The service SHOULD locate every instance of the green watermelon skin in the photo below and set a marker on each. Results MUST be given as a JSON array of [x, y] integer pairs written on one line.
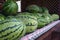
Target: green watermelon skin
[[55, 17], [11, 29], [46, 15], [41, 20], [2, 17], [30, 22], [10, 8], [33, 9], [9, 17]]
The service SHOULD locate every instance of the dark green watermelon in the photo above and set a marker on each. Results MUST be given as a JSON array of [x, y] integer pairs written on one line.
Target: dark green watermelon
[[33, 9], [10, 8]]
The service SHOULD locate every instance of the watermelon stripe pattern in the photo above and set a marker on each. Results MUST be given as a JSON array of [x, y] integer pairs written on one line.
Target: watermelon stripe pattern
[[30, 22], [10, 8], [11, 30], [8, 29], [26, 16]]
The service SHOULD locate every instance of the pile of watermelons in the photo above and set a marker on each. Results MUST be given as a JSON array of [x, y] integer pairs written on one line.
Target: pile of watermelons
[[14, 25]]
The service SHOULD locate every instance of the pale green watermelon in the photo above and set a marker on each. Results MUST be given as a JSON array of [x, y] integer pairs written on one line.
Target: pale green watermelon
[[2, 17], [55, 16], [11, 29], [41, 20], [30, 22]]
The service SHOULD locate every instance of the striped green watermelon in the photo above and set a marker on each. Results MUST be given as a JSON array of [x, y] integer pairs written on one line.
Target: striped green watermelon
[[46, 14], [33, 8], [55, 17], [30, 22], [41, 20], [11, 16], [11, 29], [2, 17], [10, 8]]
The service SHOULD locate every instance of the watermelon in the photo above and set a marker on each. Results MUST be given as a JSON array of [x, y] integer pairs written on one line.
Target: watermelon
[[55, 17], [10, 8], [33, 9], [10, 17], [41, 20], [45, 10], [46, 15], [2, 17], [30, 22], [11, 29]]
